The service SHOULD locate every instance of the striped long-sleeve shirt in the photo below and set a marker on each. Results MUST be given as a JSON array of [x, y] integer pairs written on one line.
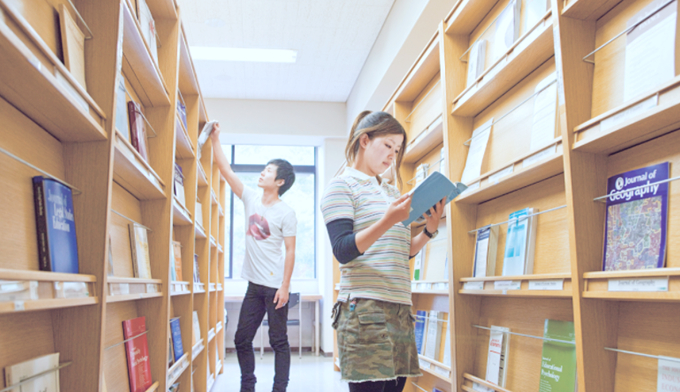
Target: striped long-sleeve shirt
[[382, 271]]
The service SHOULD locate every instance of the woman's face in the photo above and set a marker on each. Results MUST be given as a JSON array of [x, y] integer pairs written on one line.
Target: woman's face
[[381, 151]]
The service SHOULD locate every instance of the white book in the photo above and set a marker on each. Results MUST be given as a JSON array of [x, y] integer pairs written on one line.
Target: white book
[[139, 243], [435, 256], [473, 162], [507, 29], [418, 267], [519, 243], [485, 252], [496, 360], [148, 27], [650, 49], [196, 328], [199, 213], [476, 61], [447, 346], [533, 12], [18, 290], [545, 113], [49, 382], [434, 335], [205, 134]]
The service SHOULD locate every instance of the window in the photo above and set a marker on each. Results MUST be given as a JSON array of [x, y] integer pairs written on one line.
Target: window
[[248, 161]]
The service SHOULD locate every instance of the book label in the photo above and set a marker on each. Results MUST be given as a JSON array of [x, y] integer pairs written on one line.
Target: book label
[[19, 306], [539, 156], [618, 118], [507, 285], [473, 286], [668, 378], [496, 177], [550, 284], [151, 288], [651, 284]]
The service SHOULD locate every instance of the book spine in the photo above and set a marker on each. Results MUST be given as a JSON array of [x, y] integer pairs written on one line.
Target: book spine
[[132, 116], [45, 260]]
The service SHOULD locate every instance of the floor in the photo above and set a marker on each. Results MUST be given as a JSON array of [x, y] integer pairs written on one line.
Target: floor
[[311, 373]]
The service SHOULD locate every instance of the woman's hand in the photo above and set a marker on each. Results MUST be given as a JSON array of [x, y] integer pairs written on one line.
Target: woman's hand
[[399, 210], [215, 133], [435, 216]]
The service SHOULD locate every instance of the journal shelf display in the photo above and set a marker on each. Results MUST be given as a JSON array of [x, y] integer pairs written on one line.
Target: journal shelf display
[[101, 111], [560, 118]]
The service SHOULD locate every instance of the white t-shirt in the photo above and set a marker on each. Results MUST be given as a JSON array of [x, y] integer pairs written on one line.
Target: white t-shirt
[[265, 229]]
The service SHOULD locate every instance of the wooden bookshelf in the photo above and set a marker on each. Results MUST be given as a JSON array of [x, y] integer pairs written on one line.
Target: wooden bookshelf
[[52, 124]]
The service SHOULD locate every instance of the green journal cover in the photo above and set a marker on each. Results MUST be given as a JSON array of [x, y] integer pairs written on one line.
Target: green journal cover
[[558, 362]]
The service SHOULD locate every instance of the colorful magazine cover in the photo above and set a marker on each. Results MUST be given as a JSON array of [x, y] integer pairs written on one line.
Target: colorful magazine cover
[[635, 231]]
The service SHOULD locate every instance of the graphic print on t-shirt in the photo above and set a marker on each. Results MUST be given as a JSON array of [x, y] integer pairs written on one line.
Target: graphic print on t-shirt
[[258, 227]]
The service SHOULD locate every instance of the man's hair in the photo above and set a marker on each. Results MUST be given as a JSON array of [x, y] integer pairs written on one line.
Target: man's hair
[[284, 171]]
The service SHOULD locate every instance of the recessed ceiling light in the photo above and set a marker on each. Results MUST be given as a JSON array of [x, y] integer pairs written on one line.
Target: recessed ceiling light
[[242, 54]]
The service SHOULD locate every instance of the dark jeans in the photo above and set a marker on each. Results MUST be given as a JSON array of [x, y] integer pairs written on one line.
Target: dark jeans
[[378, 386], [258, 300]]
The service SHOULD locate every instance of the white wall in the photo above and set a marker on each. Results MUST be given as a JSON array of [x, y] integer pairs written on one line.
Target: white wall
[[403, 37]]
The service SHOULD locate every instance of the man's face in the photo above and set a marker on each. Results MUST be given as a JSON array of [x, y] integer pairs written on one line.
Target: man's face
[[268, 179]]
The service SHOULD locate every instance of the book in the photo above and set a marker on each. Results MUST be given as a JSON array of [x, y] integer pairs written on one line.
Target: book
[[519, 243], [173, 272], [18, 290], [446, 358], [122, 122], [49, 382], [558, 359], [141, 262], [178, 350], [496, 360], [636, 223], [197, 275], [476, 61], [148, 26], [435, 256], [426, 195], [486, 246], [56, 226], [171, 355], [421, 173], [544, 118], [533, 12], [507, 29], [650, 48], [73, 45], [421, 318], [418, 268], [668, 374], [434, 335], [442, 162], [444, 336], [138, 129], [177, 253], [182, 109], [475, 156], [137, 352], [204, 135], [179, 184], [109, 271], [199, 212], [196, 330], [174, 387]]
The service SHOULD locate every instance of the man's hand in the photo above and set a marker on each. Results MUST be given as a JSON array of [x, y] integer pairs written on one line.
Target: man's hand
[[215, 133], [281, 297]]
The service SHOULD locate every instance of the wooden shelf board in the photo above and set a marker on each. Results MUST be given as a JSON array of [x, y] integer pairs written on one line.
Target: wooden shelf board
[[421, 73], [213, 197], [466, 15], [188, 83], [519, 293], [514, 66], [200, 231], [588, 9], [35, 91], [639, 128], [213, 243], [185, 149], [44, 276], [431, 292], [153, 387], [669, 296], [485, 383], [202, 179], [162, 9], [120, 279], [520, 178], [138, 65], [181, 217], [131, 297], [518, 277], [632, 273], [211, 334], [434, 373], [183, 361], [425, 142], [46, 304], [197, 349], [133, 173]]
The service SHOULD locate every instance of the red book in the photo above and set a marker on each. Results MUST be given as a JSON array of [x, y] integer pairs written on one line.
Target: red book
[[137, 350], [138, 129]]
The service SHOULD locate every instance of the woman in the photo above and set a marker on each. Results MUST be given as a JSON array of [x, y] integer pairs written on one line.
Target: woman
[[363, 215]]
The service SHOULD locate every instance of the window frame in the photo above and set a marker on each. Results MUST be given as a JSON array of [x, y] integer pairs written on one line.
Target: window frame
[[249, 168]]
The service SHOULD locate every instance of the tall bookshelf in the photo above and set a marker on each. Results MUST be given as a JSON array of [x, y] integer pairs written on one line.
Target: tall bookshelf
[[56, 127], [597, 135]]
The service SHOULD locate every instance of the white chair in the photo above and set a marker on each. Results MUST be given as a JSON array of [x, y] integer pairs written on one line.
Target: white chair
[[293, 300]]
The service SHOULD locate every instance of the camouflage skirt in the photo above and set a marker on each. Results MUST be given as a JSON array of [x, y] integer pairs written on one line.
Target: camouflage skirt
[[376, 340]]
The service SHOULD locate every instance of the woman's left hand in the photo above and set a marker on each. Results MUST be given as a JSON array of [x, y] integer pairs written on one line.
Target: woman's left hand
[[435, 216]]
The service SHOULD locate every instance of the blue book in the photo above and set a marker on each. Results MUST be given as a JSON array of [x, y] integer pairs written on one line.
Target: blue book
[[420, 329], [428, 193], [637, 212], [176, 338], [56, 226]]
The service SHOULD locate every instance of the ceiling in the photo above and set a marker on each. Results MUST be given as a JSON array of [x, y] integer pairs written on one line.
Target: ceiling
[[332, 37]]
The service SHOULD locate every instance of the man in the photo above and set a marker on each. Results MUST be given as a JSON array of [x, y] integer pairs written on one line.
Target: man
[[270, 222]]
